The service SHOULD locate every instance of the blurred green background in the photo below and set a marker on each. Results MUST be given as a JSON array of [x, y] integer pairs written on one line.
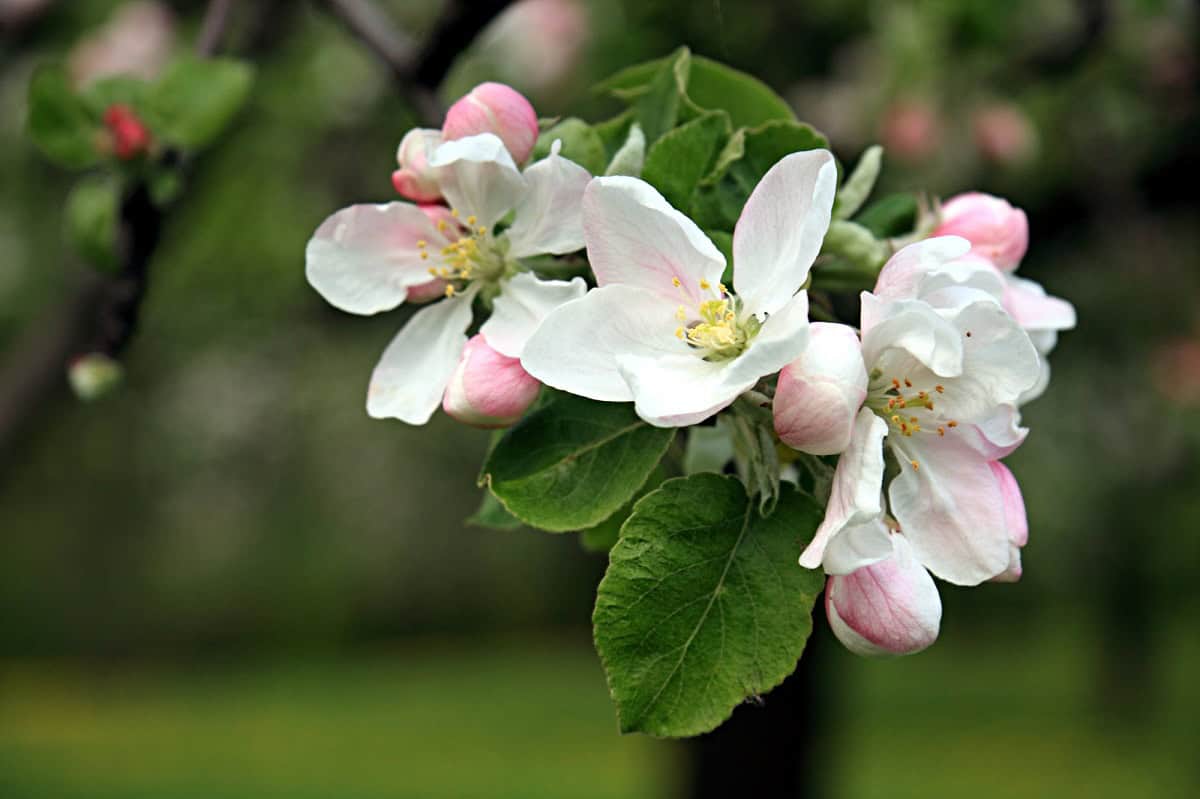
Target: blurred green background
[[227, 581]]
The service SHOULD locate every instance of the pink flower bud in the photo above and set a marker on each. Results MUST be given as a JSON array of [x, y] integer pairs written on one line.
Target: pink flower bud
[[888, 608], [488, 389], [819, 393], [129, 136], [1003, 133], [996, 230], [494, 108], [910, 130], [1014, 519], [415, 179]]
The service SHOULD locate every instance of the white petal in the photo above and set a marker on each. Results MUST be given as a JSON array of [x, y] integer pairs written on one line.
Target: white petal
[[951, 508], [577, 345], [478, 178], [680, 389], [855, 498], [999, 364], [781, 229], [902, 275], [857, 545], [819, 393], [635, 237], [362, 259], [524, 302], [890, 608], [909, 330], [549, 218], [411, 376]]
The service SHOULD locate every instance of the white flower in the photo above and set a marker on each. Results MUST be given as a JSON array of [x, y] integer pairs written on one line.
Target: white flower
[[370, 258], [661, 330]]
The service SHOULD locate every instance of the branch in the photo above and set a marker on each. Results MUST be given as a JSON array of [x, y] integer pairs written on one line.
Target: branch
[[418, 70]]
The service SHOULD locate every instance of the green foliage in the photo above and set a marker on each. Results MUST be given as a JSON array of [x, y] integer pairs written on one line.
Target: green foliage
[[91, 220], [678, 160], [195, 100], [580, 143], [858, 185], [703, 603], [630, 158], [573, 462], [493, 515], [890, 216], [60, 122], [856, 244], [604, 535]]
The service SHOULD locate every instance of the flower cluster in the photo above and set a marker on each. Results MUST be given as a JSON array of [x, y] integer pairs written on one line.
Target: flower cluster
[[919, 400]]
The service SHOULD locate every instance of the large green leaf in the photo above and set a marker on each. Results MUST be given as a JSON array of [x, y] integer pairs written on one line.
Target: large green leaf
[[573, 463], [580, 143], [677, 161], [604, 535], [703, 604], [60, 122], [721, 196], [195, 100]]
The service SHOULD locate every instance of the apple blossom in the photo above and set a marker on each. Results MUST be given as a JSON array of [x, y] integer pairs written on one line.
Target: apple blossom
[[1015, 520], [488, 389], [997, 231], [494, 108], [370, 258], [890, 607], [661, 330], [415, 179], [819, 393]]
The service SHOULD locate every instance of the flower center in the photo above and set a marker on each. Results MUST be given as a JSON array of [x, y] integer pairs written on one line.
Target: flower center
[[475, 255], [715, 329], [908, 410]]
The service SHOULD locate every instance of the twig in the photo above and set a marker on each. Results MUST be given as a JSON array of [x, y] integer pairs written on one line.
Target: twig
[[212, 28]]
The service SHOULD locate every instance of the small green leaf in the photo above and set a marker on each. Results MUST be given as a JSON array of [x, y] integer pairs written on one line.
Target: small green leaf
[[676, 162], [195, 100], [604, 535], [657, 109], [856, 244], [493, 515], [721, 197], [890, 216], [631, 157], [703, 603], [91, 215], [120, 89], [748, 101], [613, 132], [857, 188], [60, 123], [572, 463], [580, 143]]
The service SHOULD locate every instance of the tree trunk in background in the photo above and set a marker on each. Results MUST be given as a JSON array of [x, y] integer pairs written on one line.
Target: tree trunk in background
[[772, 749]]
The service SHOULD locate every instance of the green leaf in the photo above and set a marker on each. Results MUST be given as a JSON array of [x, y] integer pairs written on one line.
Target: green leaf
[[91, 215], [748, 101], [604, 535], [195, 100], [856, 244], [657, 109], [682, 157], [857, 188], [614, 132], [572, 463], [631, 157], [60, 123], [703, 603], [493, 515], [120, 89], [890, 216], [720, 198], [580, 143]]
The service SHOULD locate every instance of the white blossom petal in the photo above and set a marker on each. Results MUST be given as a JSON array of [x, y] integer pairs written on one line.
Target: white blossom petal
[[549, 218], [781, 229], [897, 334], [478, 178], [524, 302], [411, 376]]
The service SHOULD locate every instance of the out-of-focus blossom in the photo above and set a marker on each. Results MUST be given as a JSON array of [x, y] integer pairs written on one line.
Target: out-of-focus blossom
[[497, 109], [911, 130], [488, 389], [14, 13], [136, 40], [1004, 133], [537, 43], [1176, 371], [128, 135]]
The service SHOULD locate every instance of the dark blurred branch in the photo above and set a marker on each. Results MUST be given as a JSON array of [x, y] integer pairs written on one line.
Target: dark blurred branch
[[212, 29], [418, 70]]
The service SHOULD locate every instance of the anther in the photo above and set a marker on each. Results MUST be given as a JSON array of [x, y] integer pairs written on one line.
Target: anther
[[952, 423], [907, 382], [449, 291], [454, 213], [939, 389], [705, 285], [675, 282], [941, 431], [679, 332], [471, 220], [915, 465]]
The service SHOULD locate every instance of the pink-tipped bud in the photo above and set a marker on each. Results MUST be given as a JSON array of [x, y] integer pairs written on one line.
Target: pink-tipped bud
[[910, 130], [819, 393], [494, 108], [996, 230], [888, 608], [415, 179], [1014, 519], [488, 389], [128, 135], [1004, 134]]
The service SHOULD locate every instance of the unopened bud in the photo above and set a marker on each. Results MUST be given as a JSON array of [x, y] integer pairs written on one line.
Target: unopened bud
[[888, 608], [819, 393], [1015, 521], [488, 389], [94, 375], [997, 231], [1004, 134], [415, 179], [494, 108], [129, 136]]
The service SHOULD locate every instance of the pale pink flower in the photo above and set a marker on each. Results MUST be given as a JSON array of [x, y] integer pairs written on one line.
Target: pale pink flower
[[819, 393], [997, 231], [137, 40]]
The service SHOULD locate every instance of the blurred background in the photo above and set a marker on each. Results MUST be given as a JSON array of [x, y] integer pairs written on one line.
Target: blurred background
[[227, 581]]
